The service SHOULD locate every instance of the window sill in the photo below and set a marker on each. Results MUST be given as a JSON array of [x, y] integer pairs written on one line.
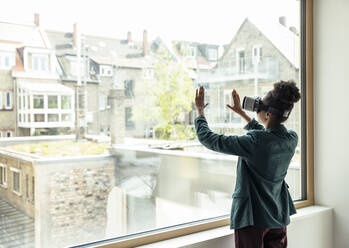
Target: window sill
[[225, 231]]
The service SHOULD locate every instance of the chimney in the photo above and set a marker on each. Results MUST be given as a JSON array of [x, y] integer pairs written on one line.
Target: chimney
[[129, 37], [75, 34], [145, 43], [37, 19], [282, 20]]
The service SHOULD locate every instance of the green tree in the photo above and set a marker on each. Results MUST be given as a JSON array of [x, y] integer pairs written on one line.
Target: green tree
[[163, 99]]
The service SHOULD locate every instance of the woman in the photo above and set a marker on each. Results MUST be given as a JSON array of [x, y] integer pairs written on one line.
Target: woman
[[262, 204]]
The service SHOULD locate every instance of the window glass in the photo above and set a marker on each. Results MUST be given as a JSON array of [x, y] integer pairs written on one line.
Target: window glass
[[123, 155], [39, 117], [66, 117], [66, 102], [52, 117], [52, 102], [3, 175], [16, 182], [38, 101]]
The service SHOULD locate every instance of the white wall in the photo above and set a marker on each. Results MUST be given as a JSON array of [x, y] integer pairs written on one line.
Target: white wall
[[310, 231], [331, 54], [311, 227]]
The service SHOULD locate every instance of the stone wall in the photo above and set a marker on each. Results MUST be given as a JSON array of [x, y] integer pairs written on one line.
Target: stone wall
[[72, 200]]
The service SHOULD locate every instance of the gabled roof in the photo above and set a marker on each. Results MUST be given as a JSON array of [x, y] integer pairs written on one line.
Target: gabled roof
[[23, 35], [280, 36], [103, 50]]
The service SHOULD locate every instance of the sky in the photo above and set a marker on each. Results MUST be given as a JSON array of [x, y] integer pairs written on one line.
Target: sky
[[207, 21]]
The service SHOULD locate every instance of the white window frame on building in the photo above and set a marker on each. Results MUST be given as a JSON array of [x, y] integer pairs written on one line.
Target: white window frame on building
[[73, 66], [106, 70], [43, 116], [7, 59], [256, 54], [14, 172], [8, 100], [212, 53], [238, 61], [42, 62], [3, 175]]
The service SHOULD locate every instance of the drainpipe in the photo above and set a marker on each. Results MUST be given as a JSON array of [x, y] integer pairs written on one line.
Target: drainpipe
[[117, 117]]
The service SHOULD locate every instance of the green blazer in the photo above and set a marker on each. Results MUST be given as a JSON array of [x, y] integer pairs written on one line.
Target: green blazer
[[261, 197]]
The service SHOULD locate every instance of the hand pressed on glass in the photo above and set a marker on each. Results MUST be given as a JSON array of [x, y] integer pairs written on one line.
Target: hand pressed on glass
[[236, 103], [200, 100], [237, 106]]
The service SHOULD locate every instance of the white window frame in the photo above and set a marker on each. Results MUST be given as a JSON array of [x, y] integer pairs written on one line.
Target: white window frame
[[11, 60], [10, 106], [209, 54], [238, 50], [256, 58], [4, 176], [40, 57], [107, 70], [15, 170]]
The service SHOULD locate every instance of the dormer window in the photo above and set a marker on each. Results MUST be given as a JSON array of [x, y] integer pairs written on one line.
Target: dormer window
[[106, 70], [212, 54], [40, 62]]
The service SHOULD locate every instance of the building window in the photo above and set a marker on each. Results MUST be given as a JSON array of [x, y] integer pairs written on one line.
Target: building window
[[212, 54], [128, 118], [256, 54], [16, 180], [52, 102], [106, 70], [39, 117], [9, 134], [38, 101], [66, 102], [241, 61], [3, 175], [40, 62], [52, 117], [7, 60], [129, 85], [8, 100], [66, 117]]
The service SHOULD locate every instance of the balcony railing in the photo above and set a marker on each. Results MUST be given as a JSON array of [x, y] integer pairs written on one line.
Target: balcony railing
[[267, 68]]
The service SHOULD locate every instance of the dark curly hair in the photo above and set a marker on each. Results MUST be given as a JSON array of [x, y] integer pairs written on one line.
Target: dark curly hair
[[284, 95]]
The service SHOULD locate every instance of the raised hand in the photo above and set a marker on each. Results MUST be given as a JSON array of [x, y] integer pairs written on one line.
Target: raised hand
[[236, 103], [200, 100]]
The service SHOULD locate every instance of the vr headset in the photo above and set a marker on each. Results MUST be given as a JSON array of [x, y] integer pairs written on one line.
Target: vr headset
[[256, 105]]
